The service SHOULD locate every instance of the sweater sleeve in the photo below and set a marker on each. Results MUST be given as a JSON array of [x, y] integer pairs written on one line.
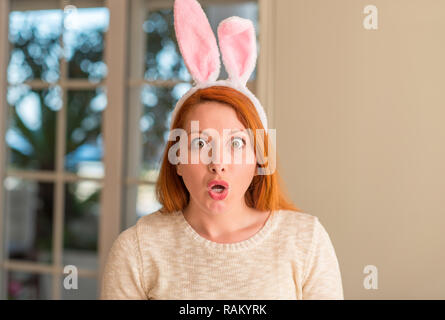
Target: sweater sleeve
[[122, 276], [322, 275]]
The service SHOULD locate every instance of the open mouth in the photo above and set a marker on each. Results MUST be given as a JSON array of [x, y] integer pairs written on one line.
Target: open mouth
[[218, 188]]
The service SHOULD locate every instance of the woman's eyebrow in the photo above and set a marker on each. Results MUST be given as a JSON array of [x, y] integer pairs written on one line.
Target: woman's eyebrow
[[200, 131], [243, 131], [203, 131]]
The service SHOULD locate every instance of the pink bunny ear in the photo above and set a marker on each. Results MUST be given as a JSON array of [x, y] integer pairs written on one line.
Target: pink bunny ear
[[196, 41], [237, 41]]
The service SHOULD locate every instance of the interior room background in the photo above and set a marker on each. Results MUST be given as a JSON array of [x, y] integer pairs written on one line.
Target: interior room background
[[87, 88]]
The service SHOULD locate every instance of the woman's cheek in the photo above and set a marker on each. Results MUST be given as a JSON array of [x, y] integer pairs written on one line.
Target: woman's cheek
[[245, 175], [189, 177]]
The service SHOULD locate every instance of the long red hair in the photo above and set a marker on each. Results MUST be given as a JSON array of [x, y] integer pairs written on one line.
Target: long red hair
[[265, 192]]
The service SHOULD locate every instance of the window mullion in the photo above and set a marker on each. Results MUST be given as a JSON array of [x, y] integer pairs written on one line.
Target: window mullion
[[66, 83], [134, 152], [113, 129], [59, 201]]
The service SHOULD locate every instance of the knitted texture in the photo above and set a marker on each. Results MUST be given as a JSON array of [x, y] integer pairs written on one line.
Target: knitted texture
[[163, 257]]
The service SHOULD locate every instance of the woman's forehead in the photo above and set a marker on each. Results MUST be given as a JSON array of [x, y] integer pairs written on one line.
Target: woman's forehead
[[213, 115]]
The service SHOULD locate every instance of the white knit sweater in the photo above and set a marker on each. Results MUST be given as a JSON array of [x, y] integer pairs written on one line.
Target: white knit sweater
[[163, 257]]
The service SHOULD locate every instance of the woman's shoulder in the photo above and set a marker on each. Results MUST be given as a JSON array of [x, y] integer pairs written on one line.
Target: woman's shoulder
[[158, 219], [298, 218], [307, 228], [152, 225], [158, 224], [297, 224]]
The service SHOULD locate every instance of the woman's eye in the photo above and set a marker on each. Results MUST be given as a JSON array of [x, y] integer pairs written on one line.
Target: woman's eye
[[198, 143], [238, 143]]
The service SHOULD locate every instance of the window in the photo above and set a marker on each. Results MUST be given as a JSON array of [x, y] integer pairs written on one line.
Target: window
[[74, 75], [53, 140]]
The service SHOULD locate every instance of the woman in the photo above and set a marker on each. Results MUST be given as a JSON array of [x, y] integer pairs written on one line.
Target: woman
[[225, 231]]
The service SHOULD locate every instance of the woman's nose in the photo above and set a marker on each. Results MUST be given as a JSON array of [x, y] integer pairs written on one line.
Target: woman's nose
[[217, 158], [217, 168]]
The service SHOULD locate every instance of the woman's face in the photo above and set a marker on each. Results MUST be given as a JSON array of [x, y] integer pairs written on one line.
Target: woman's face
[[235, 163]]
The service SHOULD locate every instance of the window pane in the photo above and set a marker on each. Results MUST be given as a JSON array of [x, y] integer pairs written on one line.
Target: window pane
[[83, 40], [163, 58], [31, 134], [29, 286], [81, 224], [35, 49], [84, 146], [29, 211], [149, 136], [86, 290]]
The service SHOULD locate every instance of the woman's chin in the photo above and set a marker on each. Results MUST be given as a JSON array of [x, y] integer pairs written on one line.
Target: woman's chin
[[217, 206]]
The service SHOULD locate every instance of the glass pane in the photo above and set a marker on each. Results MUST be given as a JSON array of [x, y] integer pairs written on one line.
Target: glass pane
[[147, 139], [29, 212], [35, 48], [31, 134], [29, 286], [86, 290], [84, 145], [163, 59], [141, 200], [82, 200], [83, 40]]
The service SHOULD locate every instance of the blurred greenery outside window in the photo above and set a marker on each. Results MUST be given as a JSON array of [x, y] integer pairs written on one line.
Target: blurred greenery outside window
[[56, 61]]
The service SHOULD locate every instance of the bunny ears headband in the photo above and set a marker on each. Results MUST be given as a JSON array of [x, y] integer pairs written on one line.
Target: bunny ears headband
[[197, 43]]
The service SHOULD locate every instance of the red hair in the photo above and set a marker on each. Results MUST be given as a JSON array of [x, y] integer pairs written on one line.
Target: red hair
[[265, 191]]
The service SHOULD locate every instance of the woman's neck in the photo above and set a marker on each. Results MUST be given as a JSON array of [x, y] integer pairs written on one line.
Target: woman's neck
[[233, 225]]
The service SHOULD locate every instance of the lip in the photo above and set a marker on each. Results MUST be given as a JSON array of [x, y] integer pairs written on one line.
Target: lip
[[215, 195], [215, 182]]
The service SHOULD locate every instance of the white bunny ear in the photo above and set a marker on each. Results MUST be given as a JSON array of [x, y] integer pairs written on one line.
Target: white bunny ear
[[196, 41], [237, 41]]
